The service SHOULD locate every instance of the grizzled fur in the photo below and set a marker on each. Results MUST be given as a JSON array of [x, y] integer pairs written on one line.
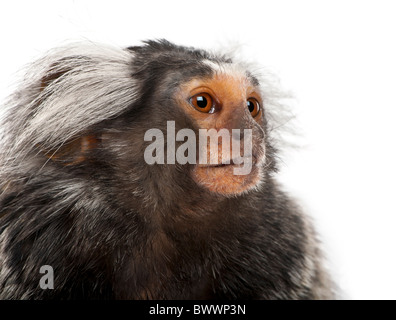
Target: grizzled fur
[[114, 227]]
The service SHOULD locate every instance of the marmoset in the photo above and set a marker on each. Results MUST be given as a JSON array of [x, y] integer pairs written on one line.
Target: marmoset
[[109, 175]]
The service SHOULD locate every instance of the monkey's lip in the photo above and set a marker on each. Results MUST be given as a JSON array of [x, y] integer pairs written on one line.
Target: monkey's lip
[[238, 162]]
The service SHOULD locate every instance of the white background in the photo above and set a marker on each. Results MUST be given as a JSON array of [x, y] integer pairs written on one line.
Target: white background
[[337, 57]]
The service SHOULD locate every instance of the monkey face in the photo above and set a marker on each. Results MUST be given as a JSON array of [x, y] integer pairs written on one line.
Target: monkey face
[[221, 104], [229, 106]]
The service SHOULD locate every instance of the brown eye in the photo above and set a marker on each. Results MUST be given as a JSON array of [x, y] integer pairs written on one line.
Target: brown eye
[[253, 106], [203, 102]]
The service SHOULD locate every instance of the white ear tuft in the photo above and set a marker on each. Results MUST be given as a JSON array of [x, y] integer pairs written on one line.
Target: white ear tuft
[[67, 91]]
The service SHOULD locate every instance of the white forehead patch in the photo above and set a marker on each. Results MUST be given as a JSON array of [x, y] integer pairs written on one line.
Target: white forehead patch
[[229, 69], [237, 71]]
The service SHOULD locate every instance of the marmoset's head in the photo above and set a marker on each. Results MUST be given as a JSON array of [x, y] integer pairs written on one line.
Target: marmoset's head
[[157, 116]]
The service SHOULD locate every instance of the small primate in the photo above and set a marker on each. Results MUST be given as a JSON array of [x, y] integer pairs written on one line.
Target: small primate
[[87, 190]]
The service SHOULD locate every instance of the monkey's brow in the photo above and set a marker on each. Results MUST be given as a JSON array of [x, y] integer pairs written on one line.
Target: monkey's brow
[[252, 79]]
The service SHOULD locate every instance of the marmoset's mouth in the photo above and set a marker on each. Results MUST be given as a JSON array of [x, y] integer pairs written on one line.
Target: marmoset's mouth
[[237, 162], [231, 178]]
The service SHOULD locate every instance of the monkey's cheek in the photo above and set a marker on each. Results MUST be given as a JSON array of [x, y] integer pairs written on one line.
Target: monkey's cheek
[[224, 181]]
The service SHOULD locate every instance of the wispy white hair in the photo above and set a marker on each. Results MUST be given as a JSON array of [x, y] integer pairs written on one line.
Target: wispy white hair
[[91, 83]]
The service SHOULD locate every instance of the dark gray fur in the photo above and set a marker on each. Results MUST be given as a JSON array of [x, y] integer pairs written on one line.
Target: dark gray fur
[[113, 227]]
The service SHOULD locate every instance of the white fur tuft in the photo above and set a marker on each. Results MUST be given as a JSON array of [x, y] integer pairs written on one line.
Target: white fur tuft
[[96, 85]]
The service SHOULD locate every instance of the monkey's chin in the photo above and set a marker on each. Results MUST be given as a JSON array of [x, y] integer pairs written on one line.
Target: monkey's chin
[[222, 179]]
